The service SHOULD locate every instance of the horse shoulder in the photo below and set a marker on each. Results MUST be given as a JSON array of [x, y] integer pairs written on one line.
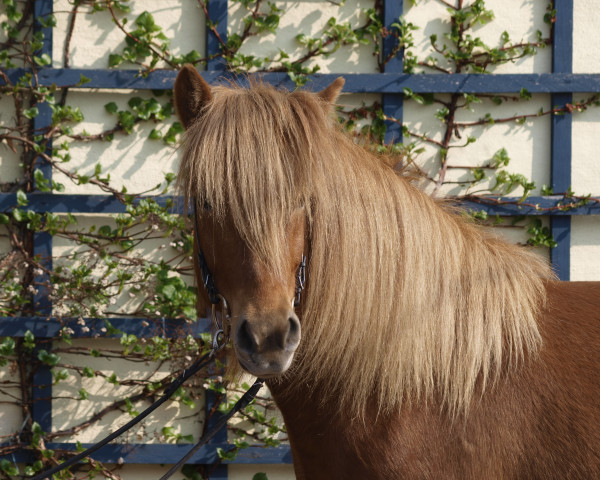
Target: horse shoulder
[[570, 362], [546, 412]]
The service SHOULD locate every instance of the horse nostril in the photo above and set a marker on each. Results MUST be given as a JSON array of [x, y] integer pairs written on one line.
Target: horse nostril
[[293, 335], [245, 338], [253, 338]]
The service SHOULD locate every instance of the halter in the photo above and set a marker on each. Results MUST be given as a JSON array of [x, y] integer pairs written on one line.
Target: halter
[[209, 285]]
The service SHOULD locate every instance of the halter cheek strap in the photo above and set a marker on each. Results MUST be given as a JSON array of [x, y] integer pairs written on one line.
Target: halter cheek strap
[[207, 278], [300, 281]]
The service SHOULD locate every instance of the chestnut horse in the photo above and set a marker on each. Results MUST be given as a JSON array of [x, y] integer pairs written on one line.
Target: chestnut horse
[[423, 347]]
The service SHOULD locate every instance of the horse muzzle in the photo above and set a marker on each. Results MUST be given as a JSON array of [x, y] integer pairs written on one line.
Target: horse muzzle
[[265, 347]]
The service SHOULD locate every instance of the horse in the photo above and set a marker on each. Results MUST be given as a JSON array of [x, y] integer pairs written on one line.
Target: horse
[[424, 346]]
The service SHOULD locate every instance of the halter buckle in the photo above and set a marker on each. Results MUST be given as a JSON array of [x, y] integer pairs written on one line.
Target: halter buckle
[[221, 323]]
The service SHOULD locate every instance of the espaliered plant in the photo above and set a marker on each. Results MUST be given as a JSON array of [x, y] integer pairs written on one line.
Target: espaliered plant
[[104, 273]]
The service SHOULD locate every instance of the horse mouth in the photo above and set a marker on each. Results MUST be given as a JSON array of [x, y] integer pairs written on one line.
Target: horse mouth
[[266, 368]]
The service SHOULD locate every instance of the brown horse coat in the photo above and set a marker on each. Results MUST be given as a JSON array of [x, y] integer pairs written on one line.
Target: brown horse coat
[[539, 421]]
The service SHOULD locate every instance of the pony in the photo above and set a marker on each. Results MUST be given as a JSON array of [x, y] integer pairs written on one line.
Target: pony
[[424, 347]]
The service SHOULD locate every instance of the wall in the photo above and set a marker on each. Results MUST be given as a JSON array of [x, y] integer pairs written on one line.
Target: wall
[[139, 163]]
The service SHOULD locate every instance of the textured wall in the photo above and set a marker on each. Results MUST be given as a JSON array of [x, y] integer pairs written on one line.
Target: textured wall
[[140, 163]]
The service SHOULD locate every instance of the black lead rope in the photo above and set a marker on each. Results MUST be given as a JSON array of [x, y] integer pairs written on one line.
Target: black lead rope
[[169, 391], [241, 403]]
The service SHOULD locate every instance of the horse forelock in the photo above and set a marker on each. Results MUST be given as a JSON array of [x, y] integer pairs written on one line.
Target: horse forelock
[[404, 299], [248, 156]]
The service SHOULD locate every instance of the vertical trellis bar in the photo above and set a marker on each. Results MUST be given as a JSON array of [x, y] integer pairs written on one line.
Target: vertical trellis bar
[[562, 62], [217, 13], [216, 34], [42, 242], [392, 102]]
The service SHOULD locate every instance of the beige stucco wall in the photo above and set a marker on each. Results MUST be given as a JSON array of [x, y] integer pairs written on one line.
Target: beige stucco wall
[[141, 164]]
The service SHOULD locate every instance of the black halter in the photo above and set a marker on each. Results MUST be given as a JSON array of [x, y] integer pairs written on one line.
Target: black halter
[[213, 293], [207, 279]]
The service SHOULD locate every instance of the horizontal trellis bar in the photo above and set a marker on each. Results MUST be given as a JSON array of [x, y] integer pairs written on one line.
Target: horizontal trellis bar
[[355, 82], [91, 327], [552, 205], [57, 203], [108, 204], [166, 454]]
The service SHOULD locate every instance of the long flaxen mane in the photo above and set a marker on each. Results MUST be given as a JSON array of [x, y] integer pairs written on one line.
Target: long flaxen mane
[[405, 298]]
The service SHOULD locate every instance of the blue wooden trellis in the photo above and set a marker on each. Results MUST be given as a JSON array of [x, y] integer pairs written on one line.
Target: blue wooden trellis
[[561, 84]]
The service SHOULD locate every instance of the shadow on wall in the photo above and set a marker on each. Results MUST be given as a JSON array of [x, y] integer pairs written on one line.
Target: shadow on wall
[[95, 35], [521, 21], [132, 160], [310, 17]]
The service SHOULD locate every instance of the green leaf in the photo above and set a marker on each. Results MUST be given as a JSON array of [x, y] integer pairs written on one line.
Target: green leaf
[[226, 455], [169, 292], [146, 21], [41, 182], [123, 7], [18, 214], [525, 94], [115, 59], [36, 428], [59, 375], [47, 21], [127, 121], [260, 476], [28, 340], [155, 134], [22, 199], [111, 108], [83, 80], [8, 467], [127, 244], [31, 112], [43, 60], [7, 347], [48, 358]]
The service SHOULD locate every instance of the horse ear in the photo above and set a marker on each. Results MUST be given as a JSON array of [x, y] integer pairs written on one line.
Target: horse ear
[[191, 93], [331, 93]]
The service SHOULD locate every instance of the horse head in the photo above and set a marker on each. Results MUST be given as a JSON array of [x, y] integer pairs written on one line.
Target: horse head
[[261, 293]]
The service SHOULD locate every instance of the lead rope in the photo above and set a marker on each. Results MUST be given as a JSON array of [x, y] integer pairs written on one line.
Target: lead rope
[[169, 391], [220, 335], [241, 403], [219, 341]]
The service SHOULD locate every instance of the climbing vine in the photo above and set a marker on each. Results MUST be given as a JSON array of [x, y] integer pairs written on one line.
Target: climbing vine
[[138, 263]]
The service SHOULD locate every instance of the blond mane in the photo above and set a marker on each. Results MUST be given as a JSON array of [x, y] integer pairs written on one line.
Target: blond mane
[[405, 299]]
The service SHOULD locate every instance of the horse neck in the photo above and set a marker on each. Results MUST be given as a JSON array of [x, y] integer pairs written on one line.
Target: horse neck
[[441, 302]]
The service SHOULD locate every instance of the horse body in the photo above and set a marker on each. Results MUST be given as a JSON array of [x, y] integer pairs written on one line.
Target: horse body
[[424, 347], [538, 421]]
